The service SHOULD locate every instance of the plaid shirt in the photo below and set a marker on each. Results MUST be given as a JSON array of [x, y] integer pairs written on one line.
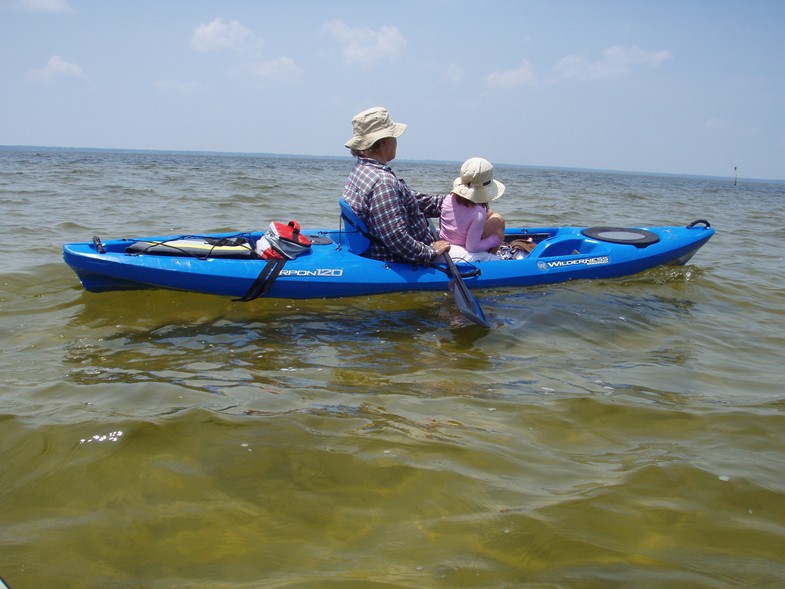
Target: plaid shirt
[[393, 212]]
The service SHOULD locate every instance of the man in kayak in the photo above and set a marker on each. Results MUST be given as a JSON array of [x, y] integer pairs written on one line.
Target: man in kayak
[[396, 215]]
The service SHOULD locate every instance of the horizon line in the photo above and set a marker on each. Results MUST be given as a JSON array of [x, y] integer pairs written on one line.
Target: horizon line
[[350, 157]]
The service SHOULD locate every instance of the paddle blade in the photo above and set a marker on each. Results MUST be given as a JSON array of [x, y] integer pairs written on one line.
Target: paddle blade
[[467, 304]]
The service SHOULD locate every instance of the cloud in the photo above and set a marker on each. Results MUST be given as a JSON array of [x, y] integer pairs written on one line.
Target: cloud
[[523, 74], [280, 67], [616, 62], [364, 46], [56, 68], [40, 6], [218, 34]]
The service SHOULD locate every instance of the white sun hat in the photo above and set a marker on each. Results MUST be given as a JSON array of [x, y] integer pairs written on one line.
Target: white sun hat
[[476, 181], [371, 125]]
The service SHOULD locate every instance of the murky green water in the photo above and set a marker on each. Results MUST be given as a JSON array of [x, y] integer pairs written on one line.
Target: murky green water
[[625, 433]]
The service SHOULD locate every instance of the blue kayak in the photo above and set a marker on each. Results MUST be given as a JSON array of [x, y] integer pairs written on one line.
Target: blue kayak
[[227, 264]]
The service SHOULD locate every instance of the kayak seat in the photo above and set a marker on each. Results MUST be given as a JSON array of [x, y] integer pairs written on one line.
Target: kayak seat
[[358, 238]]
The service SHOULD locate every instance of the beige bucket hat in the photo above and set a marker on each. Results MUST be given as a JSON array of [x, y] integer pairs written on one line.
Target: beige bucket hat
[[476, 181], [371, 125]]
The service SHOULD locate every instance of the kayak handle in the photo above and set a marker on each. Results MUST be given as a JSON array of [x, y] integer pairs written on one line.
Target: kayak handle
[[98, 245], [704, 221]]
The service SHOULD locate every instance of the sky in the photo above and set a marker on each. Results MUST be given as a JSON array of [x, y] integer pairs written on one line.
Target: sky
[[660, 86]]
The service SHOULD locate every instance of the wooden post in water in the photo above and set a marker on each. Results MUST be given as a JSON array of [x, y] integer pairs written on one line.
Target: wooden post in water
[[734, 175]]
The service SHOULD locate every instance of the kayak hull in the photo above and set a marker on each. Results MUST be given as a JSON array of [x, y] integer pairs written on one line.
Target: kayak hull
[[330, 270]]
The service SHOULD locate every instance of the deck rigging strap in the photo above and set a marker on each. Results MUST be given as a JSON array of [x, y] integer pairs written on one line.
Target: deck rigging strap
[[265, 279]]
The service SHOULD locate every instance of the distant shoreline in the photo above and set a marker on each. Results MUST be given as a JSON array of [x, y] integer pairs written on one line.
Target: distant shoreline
[[52, 149]]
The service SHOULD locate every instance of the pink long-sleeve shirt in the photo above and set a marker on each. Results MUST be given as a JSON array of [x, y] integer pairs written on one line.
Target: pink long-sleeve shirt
[[463, 226]]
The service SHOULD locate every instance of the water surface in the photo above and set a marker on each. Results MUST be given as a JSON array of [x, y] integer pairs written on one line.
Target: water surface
[[613, 433]]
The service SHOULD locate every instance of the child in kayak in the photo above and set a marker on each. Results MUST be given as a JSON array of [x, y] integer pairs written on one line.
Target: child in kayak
[[473, 230]]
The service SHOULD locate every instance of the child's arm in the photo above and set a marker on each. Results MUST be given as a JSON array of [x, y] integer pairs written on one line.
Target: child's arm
[[474, 241]]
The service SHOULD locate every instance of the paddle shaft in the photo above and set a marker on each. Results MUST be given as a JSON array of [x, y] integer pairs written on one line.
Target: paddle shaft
[[465, 301]]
